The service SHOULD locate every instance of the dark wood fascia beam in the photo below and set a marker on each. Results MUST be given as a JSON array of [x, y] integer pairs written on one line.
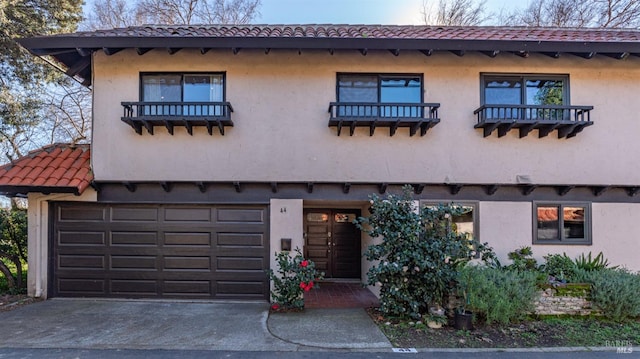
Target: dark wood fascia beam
[[166, 186], [346, 187], [584, 55], [418, 188], [632, 191], [491, 189], [492, 54], [202, 186], [523, 54], [458, 53], [299, 51], [173, 50], [563, 190], [309, 187], [237, 186], [331, 51], [382, 188], [455, 188], [528, 189], [111, 50], [395, 52], [204, 50], [267, 50], [235, 50], [274, 187], [363, 52], [427, 52], [130, 186], [143, 50], [598, 190]]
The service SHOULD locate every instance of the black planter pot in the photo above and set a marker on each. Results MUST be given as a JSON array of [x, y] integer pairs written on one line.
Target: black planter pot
[[463, 320]]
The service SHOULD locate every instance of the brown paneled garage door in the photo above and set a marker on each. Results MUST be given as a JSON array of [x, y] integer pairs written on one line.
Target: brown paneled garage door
[[160, 251]]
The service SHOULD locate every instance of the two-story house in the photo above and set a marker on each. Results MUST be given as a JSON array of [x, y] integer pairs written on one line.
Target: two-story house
[[216, 146]]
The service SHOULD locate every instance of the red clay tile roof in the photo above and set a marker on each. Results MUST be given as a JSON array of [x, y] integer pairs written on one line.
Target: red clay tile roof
[[372, 32], [57, 168], [551, 214]]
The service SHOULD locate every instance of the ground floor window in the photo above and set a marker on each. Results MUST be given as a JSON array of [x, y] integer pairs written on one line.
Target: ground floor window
[[565, 223], [467, 222]]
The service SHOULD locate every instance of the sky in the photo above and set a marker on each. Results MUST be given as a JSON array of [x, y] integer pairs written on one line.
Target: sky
[[401, 12]]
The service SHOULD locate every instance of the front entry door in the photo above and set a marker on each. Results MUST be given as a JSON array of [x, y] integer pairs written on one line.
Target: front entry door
[[332, 241]]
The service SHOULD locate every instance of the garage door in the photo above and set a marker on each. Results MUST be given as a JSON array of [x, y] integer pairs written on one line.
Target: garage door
[[160, 251]]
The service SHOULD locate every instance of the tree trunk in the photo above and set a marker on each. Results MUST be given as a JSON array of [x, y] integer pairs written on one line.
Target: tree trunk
[[20, 284], [7, 273]]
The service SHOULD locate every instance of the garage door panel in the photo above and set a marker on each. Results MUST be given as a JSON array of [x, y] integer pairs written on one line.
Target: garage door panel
[[192, 239], [81, 238], [172, 251], [134, 238], [241, 239], [135, 287], [134, 262], [134, 214], [187, 214], [81, 286]]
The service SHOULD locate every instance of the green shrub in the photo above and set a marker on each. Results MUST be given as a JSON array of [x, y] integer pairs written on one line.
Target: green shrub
[[295, 276], [560, 266], [418, 255], [498, 295], [591, 264], [522, 260], [615, 292]]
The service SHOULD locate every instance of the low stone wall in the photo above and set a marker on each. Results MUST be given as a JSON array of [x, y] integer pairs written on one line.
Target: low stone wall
[[550, 303]]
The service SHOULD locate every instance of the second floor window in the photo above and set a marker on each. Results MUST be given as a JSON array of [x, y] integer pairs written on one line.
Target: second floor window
[[525, 90], [381, 90], [177, 90]]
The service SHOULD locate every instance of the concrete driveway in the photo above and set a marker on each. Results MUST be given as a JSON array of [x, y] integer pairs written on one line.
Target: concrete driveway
[[95, 324], [181, 325]]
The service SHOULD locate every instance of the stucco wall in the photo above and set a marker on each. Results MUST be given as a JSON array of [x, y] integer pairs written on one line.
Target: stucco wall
[[38, 238], [507, 226], [281, 131]]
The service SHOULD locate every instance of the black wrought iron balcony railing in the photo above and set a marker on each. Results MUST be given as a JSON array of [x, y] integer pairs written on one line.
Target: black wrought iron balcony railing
[[415, 116], [171, 114], [568, 120]]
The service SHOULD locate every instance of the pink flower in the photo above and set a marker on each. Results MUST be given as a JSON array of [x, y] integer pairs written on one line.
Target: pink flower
[[304, 263], [275, 306], [303, 285]]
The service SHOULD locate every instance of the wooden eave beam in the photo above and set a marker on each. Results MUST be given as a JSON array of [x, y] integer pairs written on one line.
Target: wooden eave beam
[[382, 188], [492, 54], [143, 50], [395, 52], [130, 186], [166, 186], [617, 56], [584, 55], [491, 189], [632, 191], [346, 187], [418, 188], [428, 52], [459, 53], [563, 190], [202, 186], [173, 50], [112, 50], [79, 66], [237, 186], [528, 189], [309, 187], [523, 54], [554, 55], [83, 52], [598, 190], [235, 50], [363, 52], [455, 188], [267, 51], [274, 187], [204, 50]]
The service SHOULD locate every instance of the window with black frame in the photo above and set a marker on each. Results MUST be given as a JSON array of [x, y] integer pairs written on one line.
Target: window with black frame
[[525, 96], [562, 223], [376, 95], [183, 94]]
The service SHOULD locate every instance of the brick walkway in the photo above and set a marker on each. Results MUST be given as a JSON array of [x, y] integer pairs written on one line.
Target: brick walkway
[[339, 295]]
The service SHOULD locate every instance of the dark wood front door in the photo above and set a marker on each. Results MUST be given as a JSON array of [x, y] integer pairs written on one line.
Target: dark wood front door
[[332, 241]]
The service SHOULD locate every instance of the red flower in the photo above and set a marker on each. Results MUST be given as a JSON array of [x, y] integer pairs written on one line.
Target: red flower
[[275, 306], [303, 285], [304, 263], [310, 285]]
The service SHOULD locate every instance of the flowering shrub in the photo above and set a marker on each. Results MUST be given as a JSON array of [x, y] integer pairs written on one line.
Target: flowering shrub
[[418, 256], [295, 276]]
